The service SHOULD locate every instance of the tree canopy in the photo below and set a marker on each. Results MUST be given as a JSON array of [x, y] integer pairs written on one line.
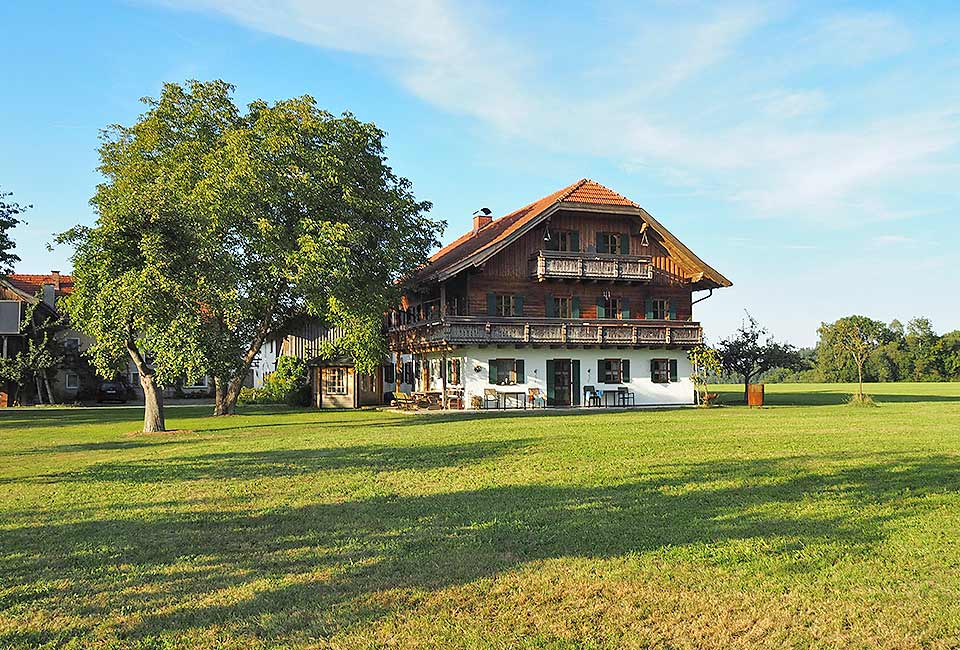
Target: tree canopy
[[9, 219], [752, 351], [216, 226]]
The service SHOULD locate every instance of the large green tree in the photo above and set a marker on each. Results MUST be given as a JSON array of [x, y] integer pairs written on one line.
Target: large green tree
[[217, 226], [752, 351]]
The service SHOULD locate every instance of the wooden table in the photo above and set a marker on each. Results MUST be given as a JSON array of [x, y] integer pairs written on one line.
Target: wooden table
[[431, 397]]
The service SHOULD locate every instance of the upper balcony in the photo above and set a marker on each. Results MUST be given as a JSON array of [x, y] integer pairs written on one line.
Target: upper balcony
[[570, 265]]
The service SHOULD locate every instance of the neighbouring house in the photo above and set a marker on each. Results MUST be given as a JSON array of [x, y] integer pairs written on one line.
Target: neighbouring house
[[75, 379], [334, 380], [581, 297]]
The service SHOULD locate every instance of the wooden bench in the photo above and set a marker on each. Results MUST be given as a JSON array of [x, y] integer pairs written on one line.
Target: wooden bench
[[405, 401]]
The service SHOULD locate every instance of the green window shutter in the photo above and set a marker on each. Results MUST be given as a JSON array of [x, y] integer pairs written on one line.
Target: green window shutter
[[625, 244], [491, 304], [548, 306], [601, 309], [673, 309], [575, 241], [648, 306], [625, 309], [600, 371], [493, 370], [674, 376], [518, 369], [575, 308], [603, 244], [624, 371], [653, 367], [518, 305]]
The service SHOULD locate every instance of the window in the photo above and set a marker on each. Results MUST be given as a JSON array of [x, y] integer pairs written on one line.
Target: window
[[367, 383], [613, 242], [663, 371], [613, 371], [73, 381], [71, 344], [613, 307], [453, 371], [504, 305], [134, 378], [202, 383], [563, 240], [563, 307], [661, 308], [388, 372], [335, 381], [506, 372]]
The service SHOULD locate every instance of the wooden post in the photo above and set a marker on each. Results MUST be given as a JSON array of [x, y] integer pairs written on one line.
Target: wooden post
[[443, 300]]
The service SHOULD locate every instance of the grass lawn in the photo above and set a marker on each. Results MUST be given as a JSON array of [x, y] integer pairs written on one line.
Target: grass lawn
[[808, 523]]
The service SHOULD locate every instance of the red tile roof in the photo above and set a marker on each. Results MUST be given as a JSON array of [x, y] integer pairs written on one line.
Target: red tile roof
[[31, 283]]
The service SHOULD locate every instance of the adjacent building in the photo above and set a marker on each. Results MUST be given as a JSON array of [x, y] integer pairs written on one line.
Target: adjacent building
[[573, 298]]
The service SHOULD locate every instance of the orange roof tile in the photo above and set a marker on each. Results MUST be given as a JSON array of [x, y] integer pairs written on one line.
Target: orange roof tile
[[31, 283]]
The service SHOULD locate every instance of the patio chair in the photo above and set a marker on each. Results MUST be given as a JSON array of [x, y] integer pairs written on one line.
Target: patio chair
[[536, 398], [624, 396], [491, 394], [590, 396]]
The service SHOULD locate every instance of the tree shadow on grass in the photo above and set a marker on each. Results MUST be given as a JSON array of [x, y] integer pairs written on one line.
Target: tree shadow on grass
[[313, 570]]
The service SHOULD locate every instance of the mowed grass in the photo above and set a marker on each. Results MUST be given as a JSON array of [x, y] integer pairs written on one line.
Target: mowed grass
[[806, 524]]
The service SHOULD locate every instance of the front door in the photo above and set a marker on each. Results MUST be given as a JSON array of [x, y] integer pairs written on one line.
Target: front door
[[559, 383]]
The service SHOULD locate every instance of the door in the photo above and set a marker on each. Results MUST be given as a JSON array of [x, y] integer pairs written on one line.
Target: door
[[559, 383]]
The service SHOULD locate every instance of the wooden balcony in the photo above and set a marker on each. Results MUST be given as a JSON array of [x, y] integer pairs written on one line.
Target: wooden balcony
[[566, 265], [479, 330]]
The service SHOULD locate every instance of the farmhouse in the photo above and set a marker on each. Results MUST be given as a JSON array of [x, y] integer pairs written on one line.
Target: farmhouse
[[579, 298]]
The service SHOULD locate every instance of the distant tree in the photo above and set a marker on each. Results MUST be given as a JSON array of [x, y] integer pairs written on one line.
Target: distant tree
[[9, 212], [39, 357], [924, 350], [950, 354], [852, 339], [752, 351]]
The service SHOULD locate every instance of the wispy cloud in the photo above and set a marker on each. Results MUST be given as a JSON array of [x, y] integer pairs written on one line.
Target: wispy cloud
[[686, 100]]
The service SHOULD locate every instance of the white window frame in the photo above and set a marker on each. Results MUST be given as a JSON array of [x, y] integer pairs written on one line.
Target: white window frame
[[74, 379], [338, 387], [204, 385]]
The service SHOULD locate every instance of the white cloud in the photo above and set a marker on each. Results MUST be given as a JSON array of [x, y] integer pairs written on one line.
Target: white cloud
[[673, 101]]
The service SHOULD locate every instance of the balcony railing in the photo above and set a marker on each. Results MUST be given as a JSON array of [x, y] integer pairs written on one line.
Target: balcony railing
[[562, 265], [478, 330]]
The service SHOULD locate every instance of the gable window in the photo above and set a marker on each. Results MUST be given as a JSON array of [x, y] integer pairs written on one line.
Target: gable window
[[506, 372], [663, 371], [563, 240], [613, 242], [499, 304], [71, 344], [661, 309], [335, 381]]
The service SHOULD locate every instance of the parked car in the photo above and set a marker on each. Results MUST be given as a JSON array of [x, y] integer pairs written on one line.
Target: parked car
[[112, 391]]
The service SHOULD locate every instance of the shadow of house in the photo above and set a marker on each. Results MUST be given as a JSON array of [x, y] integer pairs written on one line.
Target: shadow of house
[[317, 567]]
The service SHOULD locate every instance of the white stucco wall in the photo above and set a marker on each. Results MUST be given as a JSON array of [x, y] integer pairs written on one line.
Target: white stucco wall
[[535, 368]]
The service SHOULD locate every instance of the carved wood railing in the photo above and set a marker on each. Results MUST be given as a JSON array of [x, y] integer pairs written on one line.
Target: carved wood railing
[[478, 330], [547, 265]]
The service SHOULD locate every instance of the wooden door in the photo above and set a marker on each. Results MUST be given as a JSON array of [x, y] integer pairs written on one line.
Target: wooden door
[[559, 382]]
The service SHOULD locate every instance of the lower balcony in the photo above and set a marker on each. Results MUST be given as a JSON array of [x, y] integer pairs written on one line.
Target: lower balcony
[[478, 330]]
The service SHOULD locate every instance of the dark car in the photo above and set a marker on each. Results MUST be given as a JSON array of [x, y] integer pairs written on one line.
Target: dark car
[[111, 391]]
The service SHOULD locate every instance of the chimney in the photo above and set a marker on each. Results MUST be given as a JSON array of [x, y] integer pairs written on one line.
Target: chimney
[[50, 295], [55, 275], [481, 219]]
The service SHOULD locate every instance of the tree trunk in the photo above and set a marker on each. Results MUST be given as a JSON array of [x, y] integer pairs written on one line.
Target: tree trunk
[[227, 395], [46, 383], [746, 388], [36, 379], [860, 377], [153, 419], [220, 406]]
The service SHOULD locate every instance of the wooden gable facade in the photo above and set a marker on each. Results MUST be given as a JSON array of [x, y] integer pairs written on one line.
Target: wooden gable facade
[[582, 266]]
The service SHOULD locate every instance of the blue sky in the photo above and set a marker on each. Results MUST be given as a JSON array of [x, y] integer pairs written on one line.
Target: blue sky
[[809, 151]]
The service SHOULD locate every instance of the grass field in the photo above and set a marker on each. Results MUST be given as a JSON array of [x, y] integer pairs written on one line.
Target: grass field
[[805, 524]]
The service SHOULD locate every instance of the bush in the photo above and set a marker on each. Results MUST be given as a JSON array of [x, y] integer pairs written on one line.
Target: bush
[[285, 385]]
